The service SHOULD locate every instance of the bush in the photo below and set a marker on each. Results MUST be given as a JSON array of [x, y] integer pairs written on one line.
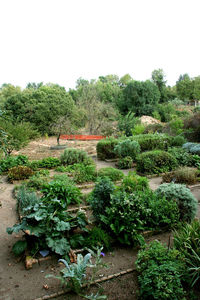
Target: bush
[[126, 123], [182, 156], [100, 196], [73, 156], [105, 148], [97, 237], [187, 241], [67, 193], [133, 182], [160, 272], [25, 199], [185, 200], [84, 173], [12, 161], [192, 127], [188, 146], [155, 162], [130, 214], [49, 162], [19, 173], [182, 175], [195, 149], [177, 141], [125, 163], [111, 173], [127, 148], [149, 142]]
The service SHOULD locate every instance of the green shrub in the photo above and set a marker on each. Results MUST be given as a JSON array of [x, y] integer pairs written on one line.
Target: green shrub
[[105, 148], [84, 173], [155, 162], [127, 148], [182, 156], [126, 123], [187, 241], [19, 173], [12, 161], [149, 142], [185, 200], [110, 172], [73, 156], [182, 175], [177, 141], [133, 182], [125, 163], [129, 214], [160, 273], [97, 237], [100, 196], [195, 149], [138, 129], [67, 193], [49, 162]]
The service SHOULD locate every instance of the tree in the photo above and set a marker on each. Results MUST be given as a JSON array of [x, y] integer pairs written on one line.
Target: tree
[[185, 87], [196, 92], [140, 97], [158, 78], [41, 106], [124, 80], [97, 112]]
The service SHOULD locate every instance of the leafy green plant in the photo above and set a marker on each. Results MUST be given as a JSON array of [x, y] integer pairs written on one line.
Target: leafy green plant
[[125, 163], [98, 237], [133, 182], [160, 273], [185, 200], [50, 225], [138, 129], [101, 196], [110, 172], [187, 241], [182, 156], [19, 173], [177, 141], [126, 123], [155, 162], [127, 148], [105, 148], [84, 173], [67, 193], [72, 156], [12, 161], [130, 214], [38, 180]]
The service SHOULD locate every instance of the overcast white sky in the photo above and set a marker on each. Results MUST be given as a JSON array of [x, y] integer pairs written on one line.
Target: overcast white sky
[[61, 40]]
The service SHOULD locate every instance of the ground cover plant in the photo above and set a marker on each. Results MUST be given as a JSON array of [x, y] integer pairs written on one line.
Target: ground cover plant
[[124, 163], [155, 162], [161, 272], [133, 182], [12, 161], [46, 163], [185, 200]]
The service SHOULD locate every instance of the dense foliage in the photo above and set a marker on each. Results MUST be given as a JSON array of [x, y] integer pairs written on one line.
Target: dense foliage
[[184, 198], [127, 148], [155, 162], [160, 273], [105, 148]]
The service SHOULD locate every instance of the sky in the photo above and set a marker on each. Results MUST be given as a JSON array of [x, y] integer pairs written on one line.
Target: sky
[[60, 41]]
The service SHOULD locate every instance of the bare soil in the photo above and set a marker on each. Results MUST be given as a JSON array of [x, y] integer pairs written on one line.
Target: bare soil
[[17, 283]]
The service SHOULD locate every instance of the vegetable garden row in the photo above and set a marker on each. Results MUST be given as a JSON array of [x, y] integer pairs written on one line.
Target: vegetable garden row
[[121, 209]]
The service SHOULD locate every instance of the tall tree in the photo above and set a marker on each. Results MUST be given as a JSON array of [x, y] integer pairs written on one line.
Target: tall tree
[[185, 87], [158, 78]]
